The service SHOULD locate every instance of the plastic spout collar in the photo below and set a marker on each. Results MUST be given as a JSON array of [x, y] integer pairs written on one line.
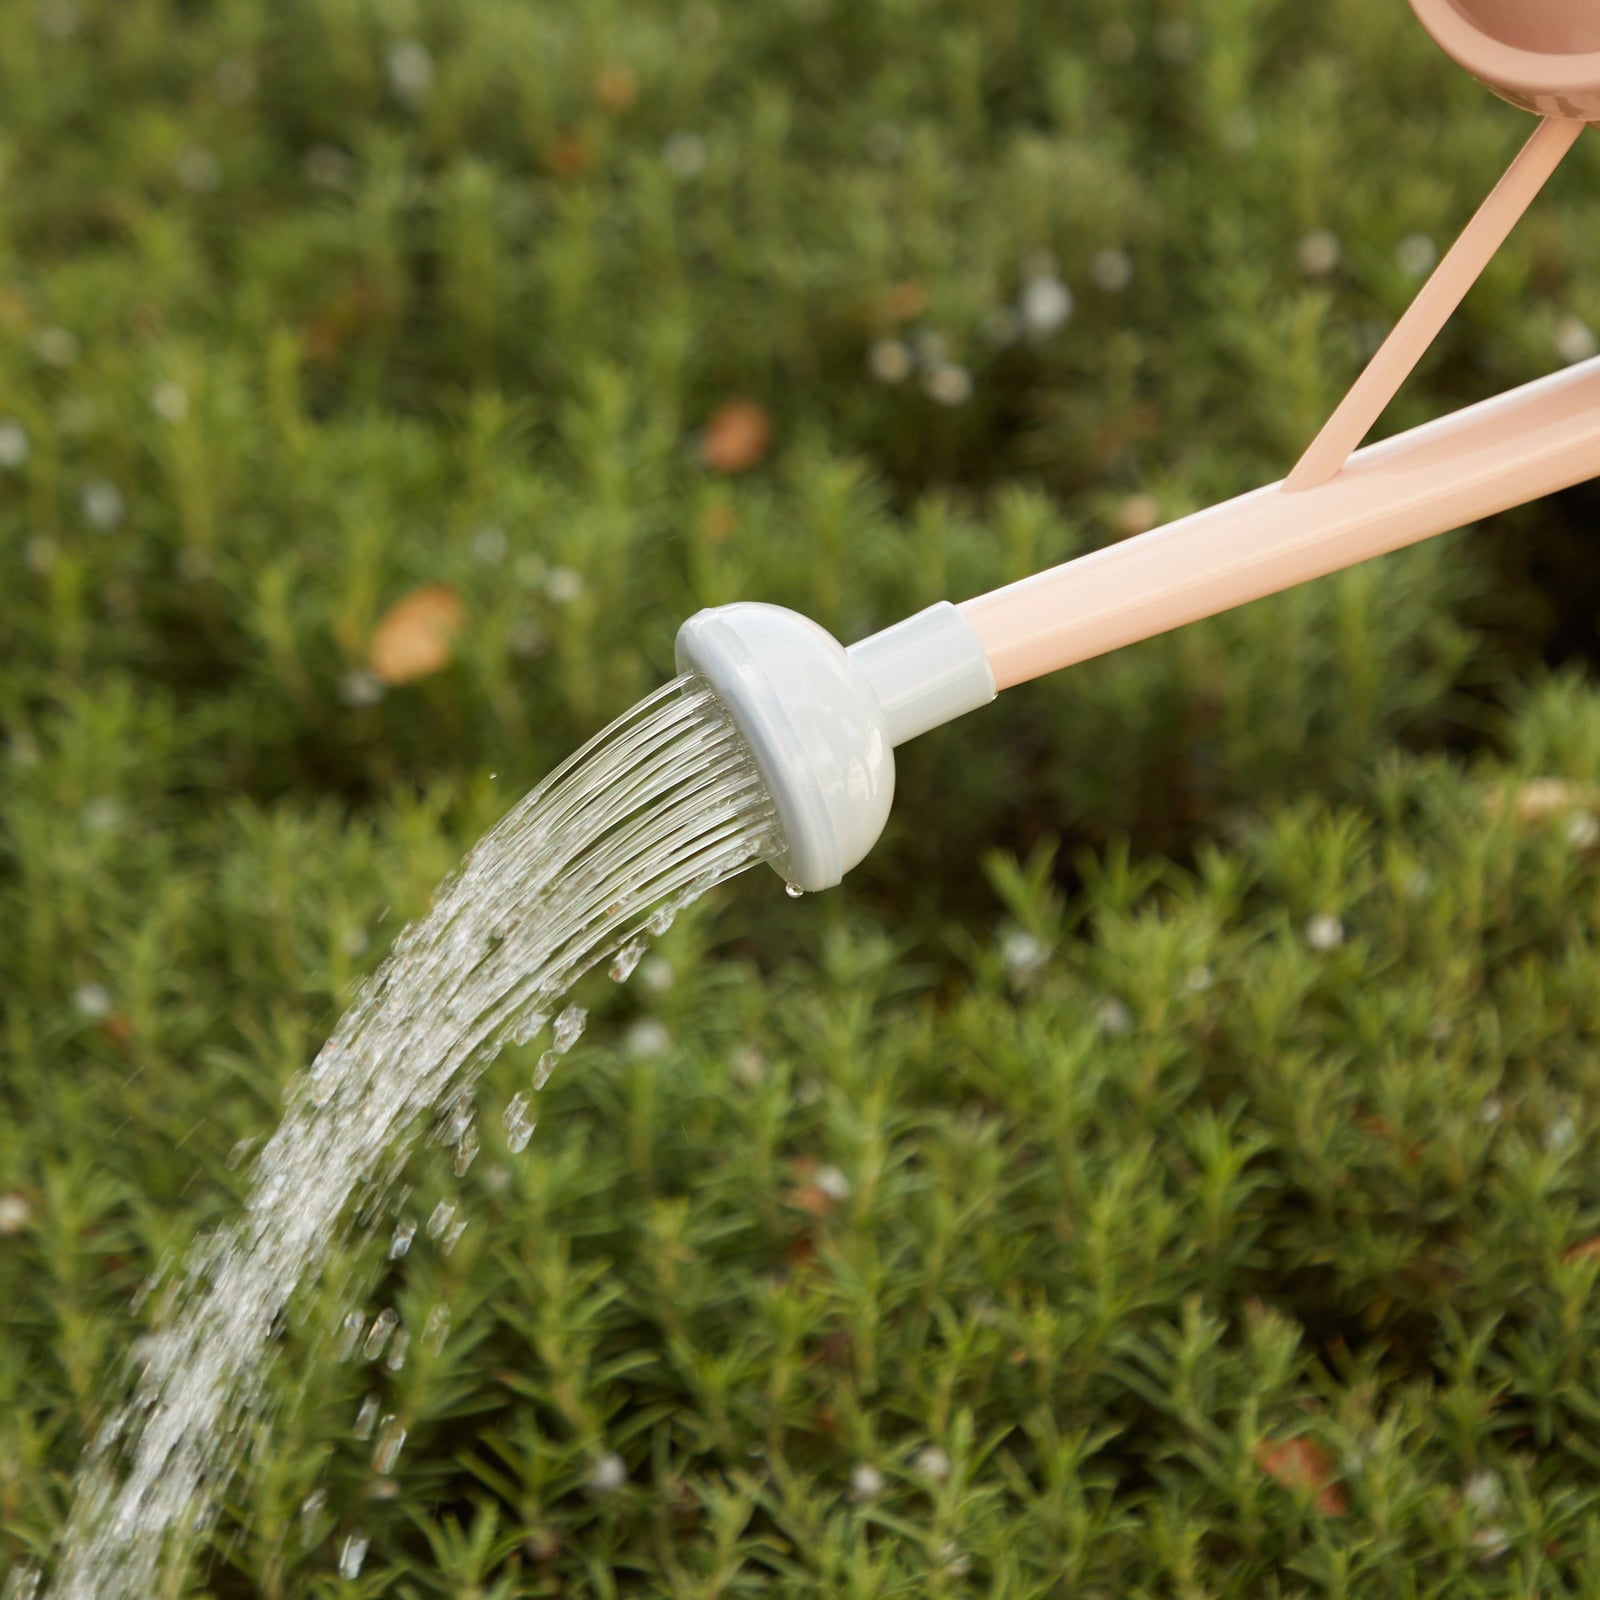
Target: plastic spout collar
[[823, 721]]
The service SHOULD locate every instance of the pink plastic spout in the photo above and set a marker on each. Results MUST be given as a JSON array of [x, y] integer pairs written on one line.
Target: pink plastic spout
[[1534, 441]]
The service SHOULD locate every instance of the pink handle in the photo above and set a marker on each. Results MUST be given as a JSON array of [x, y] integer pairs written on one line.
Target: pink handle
[[1440, 295], [1533, 441]]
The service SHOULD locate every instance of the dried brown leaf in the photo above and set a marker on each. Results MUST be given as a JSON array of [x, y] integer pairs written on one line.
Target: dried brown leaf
[[415, 637]]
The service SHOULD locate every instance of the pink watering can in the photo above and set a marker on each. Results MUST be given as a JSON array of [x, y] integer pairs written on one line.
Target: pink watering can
[[823, 720]]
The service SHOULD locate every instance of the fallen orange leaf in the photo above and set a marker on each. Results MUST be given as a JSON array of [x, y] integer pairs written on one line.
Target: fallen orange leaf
[[1583, 1250], [414, 637], [905, 301], [736, 437], [570, 156], [1303, 1464]]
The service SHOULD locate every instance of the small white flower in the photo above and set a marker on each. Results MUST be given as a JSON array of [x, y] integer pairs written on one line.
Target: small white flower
[[13, 444], [327, 167], [648, 1037], [489, 545], [1198, 980], [866, 1482], [656, 974], [1324, 932], [1491, 1543], [103, 814], [890, 360], [948, 384], [1022, 953], [410, 68], [170, 401], [1583, 829], [833, 1183], [199, 171], [748, 1067], [1046, 305], [15, 1214], [354, 941], [1113, 1017], [954, 1559], [563, 585], [684, 155], [933, 1463], [1491, 1110], [608, 1474], [361, 688], [57, 347], [1111, 270], [1575, 340], [1559, 1134], [93, 1001], [1484, 1492], [102, 504], [1416, 255], [1318, 253]]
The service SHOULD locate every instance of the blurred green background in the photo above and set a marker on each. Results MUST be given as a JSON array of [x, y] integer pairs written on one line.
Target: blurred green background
[[1168, 1166]]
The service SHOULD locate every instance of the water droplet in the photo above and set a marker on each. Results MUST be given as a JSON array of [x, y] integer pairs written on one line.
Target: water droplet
[[367, 1417], [527, 1027], [568, 1029], [519, 1126], [793, 890], [352, 1553], [466, 1151], [350, 1336], [23, 1584], [660, 920], [238, 1153], [398, 1351], [391, 1436], [648, 1037], [383, 1326], [436, 1330], [439, 1218], [404, 1232], [608, 1474], [311, 1509], [625, 960], [453, 1237], [547, 1065]]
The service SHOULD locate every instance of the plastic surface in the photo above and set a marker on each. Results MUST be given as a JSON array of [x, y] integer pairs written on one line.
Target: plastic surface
[[925, 671], [1542, 55], [823, 721], [1438, 297], [818, 734], [1531, 442]]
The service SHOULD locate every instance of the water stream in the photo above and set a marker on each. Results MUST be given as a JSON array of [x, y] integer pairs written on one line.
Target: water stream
[[661, 806]]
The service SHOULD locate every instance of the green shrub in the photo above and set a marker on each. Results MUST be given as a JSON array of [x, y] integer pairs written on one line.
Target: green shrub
[[1198, 1207]]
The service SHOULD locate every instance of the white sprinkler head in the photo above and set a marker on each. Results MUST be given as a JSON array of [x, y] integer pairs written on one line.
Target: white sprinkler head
[[823, 721]]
